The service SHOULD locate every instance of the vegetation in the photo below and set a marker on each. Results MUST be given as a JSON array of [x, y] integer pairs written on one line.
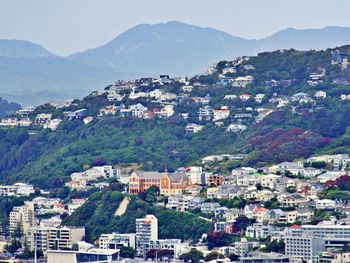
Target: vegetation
[[8, 108], [97, 215], [193, 256]]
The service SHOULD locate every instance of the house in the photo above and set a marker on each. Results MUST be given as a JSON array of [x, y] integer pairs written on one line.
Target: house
[[228, 70], [270, 181], [167, 111], [187, 88], [53, 124], [295, 200], [325, 204], [168, 183], [293, 168], [259, 97], [236, 127], [137, 110], [205, 113], [221, 114], [43, 118], [9, 122], [242, 81], [24, 122], [329, 176], [230, 97], [193, 128], [209, 207], [340, 58], [156, 94], [320, 94], [213, 180], [108, 110], [245, 97], [75, 115]]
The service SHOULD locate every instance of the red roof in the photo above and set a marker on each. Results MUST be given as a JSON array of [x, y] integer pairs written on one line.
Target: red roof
[[295, 226]]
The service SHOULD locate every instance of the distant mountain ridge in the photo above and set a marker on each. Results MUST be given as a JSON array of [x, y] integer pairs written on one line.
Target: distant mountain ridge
[[22, 48], [31, 75]]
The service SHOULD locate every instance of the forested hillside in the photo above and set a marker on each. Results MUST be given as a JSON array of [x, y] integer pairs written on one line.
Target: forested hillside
[[304, 125], [97, 214]]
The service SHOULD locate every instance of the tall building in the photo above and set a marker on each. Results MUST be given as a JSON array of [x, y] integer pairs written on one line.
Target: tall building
[[146, 231], [55, 238], [306, 248], [21, 218]]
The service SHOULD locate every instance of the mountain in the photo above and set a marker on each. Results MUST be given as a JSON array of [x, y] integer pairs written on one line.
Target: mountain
[[22, 48], [7, 107], [175, 48], [32, 75], [180, 49], [306, 39], [36, 80]]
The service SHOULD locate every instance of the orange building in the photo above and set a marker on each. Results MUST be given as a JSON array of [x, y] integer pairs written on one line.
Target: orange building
[[168, 183], [214, 180]]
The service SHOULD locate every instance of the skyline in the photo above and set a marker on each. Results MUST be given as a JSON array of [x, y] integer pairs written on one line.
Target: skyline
[[90, 23]]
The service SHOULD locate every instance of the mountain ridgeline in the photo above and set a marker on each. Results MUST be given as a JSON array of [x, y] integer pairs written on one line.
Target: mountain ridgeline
[[32, 75]]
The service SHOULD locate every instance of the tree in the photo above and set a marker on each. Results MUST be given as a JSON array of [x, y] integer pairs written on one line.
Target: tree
[[290, 189], [233, 257], [75, 247], [219, 239], [274, 246], [213, 256], [127, 252], [258, 186], [150, 195], [13, 246], [242, 222], [193, 256]]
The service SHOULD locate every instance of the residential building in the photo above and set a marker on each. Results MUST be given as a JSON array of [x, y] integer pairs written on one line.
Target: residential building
[[304, 247], [193, 128], [146, 231], [21, 217], [116, 241]]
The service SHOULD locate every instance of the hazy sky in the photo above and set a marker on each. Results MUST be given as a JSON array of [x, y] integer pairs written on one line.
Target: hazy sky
[[67, 26]]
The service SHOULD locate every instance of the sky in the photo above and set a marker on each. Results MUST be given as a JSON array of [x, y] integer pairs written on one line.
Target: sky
[[67, 26]]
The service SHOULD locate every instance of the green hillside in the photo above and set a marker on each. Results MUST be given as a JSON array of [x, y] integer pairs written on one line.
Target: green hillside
[[293, 131], [97, 215]]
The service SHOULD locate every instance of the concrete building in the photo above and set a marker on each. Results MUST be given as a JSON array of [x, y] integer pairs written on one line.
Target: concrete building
[[91, 255], [146, 231], [116, 240], [21, 217], [306, 248]]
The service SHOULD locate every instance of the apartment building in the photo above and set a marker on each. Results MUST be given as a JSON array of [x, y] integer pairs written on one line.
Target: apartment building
[[21, 217], [116, 240], [304, 247], [63, 238], [146, 231], [56, 238]]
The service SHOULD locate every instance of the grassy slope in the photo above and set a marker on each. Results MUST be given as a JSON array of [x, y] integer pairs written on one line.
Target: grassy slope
[[97, 214]]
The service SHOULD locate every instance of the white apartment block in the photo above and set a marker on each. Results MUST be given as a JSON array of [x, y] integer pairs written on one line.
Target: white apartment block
[[146, 231], [195, 173], [116, 240], [54, 238], [21, 217]]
